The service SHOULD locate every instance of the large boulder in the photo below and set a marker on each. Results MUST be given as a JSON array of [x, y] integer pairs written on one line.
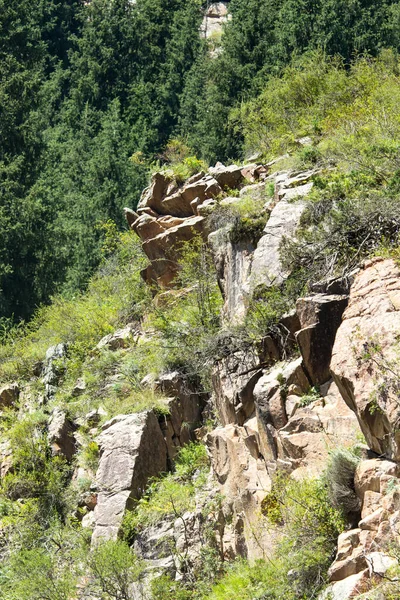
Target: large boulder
[[227, 177], [365, 355], [132, 450], [320, 317]]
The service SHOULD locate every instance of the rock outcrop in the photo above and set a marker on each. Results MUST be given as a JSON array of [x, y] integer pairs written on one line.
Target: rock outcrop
[[132, 449], [365, 355], [61, 435], [364, 553]]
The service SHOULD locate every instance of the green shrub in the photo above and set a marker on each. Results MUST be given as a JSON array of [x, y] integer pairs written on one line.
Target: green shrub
[[114, 568], [38, 575], [311, 396]]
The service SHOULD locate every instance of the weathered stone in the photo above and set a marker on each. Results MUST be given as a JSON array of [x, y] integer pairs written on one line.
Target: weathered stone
[[132, 449], [257, 192], [52, 370], [164, 250], [94, 417], [316, 429], [153, 195], [266, 268], [369, 472], [348, 588], [119, 339], [79, 388], [371, 503], [379, 563], [372, 521], [292, 403], [88, 521], [9, 395], [61, 434], [234, 379], [184, 411], [320, 317], [227, 177], [233, 265], [244, 482], [355, 563], [372, 317], [6, 461], [347, 542]]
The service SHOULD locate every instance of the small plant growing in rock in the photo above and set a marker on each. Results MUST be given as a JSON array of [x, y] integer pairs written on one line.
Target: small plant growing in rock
[[311, 396]]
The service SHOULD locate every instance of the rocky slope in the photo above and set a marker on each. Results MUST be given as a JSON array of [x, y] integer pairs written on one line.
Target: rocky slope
[[340, 342]]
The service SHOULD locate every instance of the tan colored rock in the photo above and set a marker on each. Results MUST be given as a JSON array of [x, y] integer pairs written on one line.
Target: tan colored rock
[[6, 461], [132, 449], [347, 542], [383, 538], [366, 539], [234, 380], [355, 563], [9, 395], [371, 503], [320, 317], [372, 317], [373, 520], [348, 588], [119, 339], [244, 482], [163, 250], [184, 411], [227, 177], [369, 473], [391, 501], [153, 195]]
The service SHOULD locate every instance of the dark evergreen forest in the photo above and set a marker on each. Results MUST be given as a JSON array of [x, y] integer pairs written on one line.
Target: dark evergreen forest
[[91, 93]]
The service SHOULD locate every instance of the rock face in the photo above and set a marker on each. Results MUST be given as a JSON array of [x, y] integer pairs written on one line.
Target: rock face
[[320, 317], [266, 268], [185, 411], [364, 553], [233, 263], [132, 449], [365, 354], [214, 19], [52, 369]]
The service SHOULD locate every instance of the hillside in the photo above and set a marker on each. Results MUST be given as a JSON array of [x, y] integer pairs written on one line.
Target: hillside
[[200, 305]]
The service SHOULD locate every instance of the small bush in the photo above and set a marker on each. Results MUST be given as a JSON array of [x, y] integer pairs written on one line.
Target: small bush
[[114, 568], [340, 476]]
